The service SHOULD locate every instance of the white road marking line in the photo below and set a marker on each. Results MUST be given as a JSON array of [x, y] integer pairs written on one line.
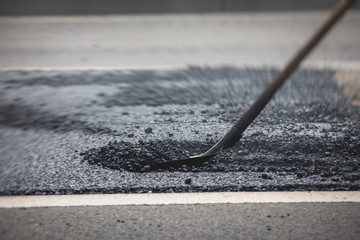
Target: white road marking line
[[176, 198]]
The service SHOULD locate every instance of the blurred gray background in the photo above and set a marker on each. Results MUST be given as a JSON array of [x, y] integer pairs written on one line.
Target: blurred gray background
[[69, 7]]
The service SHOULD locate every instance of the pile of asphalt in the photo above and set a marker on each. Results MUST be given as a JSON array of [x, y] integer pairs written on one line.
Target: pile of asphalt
[[139, 157], [99, 131], [274, 155]]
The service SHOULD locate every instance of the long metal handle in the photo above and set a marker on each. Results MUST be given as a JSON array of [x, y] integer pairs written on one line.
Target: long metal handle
[[265, 97], [236, 132]]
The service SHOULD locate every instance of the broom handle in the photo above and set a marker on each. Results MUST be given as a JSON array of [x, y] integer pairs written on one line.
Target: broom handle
[[276, 83]]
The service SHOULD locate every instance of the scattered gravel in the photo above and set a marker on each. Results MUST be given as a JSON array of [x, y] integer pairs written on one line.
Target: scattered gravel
[[98, 132]]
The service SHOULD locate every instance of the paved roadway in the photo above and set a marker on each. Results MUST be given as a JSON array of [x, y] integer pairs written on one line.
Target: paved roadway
[[241, 215], [172, 40], [206, 221], [176, 41]]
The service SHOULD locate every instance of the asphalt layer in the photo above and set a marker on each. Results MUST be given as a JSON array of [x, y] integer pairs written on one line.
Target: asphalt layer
[[96, 131]]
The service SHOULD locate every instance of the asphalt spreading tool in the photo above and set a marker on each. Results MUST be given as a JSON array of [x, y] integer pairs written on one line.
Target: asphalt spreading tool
[[236, 131]]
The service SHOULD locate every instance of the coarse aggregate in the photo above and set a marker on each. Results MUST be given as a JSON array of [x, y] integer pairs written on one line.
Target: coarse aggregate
[[64, 132]]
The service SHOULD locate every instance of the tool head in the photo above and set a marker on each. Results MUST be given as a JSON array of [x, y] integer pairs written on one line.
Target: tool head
[[230, 139], [191, 161]]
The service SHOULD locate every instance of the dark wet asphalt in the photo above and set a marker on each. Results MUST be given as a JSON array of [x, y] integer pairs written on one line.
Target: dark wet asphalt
[[307, 138]]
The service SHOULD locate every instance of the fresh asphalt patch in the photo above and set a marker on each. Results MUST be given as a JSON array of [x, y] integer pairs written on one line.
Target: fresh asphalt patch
[[64, 132]]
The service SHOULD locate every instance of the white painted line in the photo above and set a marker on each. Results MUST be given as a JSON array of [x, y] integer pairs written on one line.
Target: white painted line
[[334, 65], [175, 198]]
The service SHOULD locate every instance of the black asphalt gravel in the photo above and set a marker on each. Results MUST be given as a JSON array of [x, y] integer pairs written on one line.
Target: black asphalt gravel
[[64, 132]]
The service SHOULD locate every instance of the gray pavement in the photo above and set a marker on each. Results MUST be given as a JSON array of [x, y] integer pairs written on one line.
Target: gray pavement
[[206, 221], [148, 41], [156, 42]]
